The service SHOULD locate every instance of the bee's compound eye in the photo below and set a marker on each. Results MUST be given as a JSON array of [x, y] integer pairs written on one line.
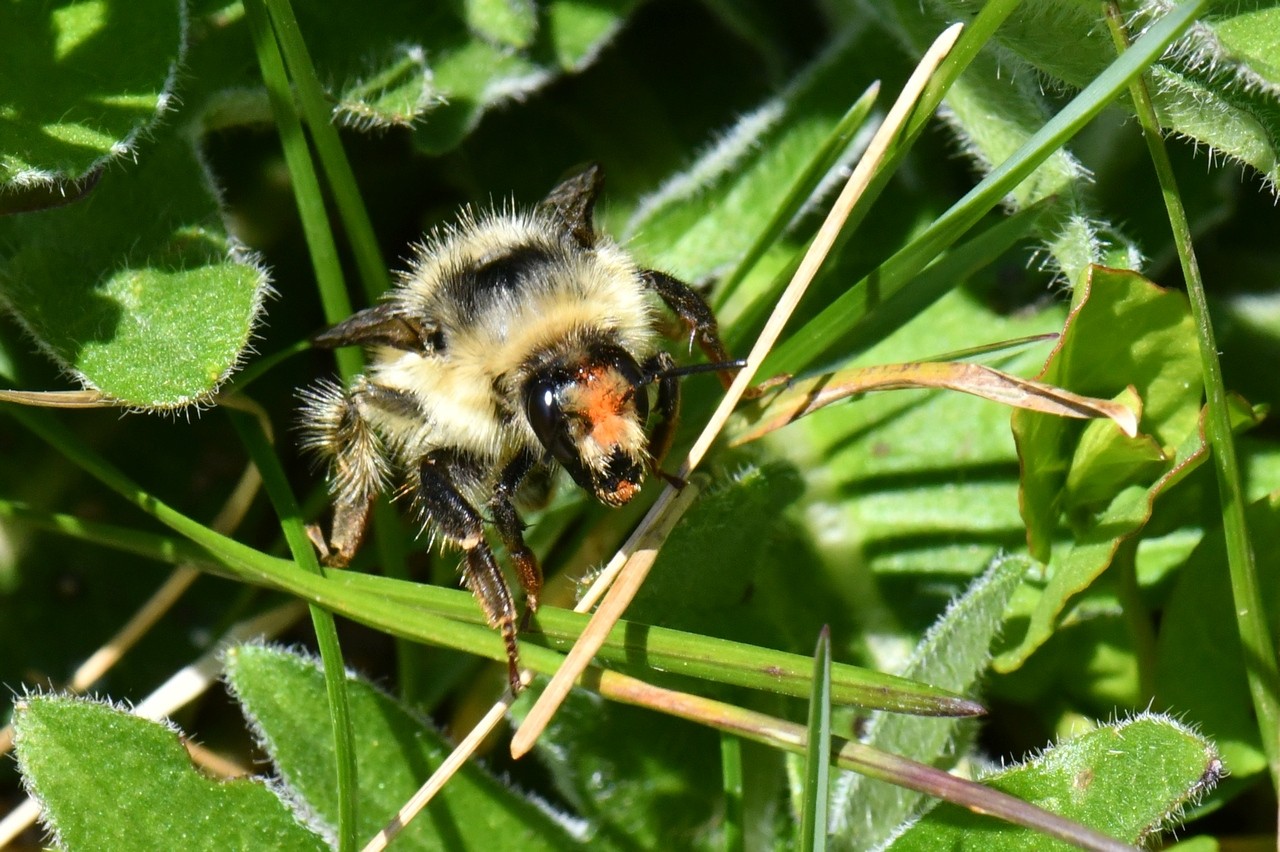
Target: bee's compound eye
[[542, 407]]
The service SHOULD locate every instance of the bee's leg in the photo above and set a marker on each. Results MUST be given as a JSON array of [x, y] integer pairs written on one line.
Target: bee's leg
[[511, 528], [381, 325], [668, 408], [449, 513], [350, 520], [685, 302], [337, 431]]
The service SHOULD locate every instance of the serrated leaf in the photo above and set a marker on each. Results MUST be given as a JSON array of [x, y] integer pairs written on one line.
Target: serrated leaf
[[1200, 666], [283, 697], [1128, 780], [68, 748], [953, 654], [1123, 331], [83, 81], [136, 290]]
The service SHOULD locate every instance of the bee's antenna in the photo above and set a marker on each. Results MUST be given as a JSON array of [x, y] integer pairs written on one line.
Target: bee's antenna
[[691, 369]]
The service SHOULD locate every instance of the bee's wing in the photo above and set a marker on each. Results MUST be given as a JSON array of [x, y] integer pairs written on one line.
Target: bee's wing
[[574, 200], [380, 325]]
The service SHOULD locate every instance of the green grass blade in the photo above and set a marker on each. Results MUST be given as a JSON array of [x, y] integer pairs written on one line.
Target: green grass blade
[[306, 184], [283, 35], [813, 820], [731, 769], [317, 112], [430, 614]]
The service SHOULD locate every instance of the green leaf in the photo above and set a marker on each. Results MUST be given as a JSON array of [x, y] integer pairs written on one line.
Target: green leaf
[[994, 112], [1126, 330], [1250, 42], [1128, 780], [142, 792], [1123, 331], [512, 23], [953, 654], [637, 777], [83, 82], [817, 793], [283, 697], [1200, 666], [708, 576], [442, 66], [1106, 459], [1072, 571], [1217, 86], [155, 306], [704, 218]]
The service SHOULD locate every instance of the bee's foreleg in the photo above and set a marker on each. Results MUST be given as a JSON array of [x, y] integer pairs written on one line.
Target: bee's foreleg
[[663, 431], [450, 515], [685, 302]]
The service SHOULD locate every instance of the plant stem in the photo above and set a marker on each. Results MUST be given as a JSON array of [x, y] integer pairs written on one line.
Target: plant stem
[[1251, 612]]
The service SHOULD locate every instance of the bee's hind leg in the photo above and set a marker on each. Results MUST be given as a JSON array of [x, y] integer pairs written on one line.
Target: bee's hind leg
[[336, 430], [450, 515]]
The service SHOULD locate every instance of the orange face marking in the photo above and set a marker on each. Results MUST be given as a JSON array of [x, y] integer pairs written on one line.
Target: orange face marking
[[604, 397]]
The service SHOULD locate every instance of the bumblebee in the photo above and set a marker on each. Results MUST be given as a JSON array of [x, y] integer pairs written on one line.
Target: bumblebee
[[516, 341]]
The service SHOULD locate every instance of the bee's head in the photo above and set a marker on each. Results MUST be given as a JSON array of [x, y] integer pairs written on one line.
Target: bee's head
[[589, 413]]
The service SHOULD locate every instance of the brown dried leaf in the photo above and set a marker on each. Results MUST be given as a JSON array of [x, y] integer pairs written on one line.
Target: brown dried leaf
[[60, 399], [808, 396]]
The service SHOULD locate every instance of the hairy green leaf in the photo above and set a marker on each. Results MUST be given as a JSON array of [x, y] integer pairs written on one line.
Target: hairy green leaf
[[283, 696], [603, 761], [136, 290], [143, 792], [83, 82], [953, 654], [1218, 86], [440, 67], [1129, 780]]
